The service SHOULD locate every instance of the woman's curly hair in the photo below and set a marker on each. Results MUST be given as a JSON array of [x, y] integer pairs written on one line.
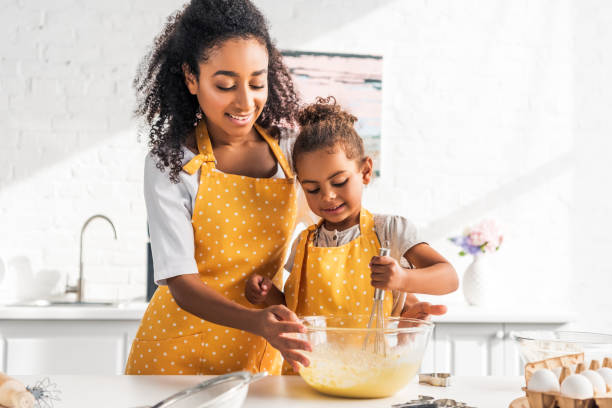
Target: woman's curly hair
[[163, 99], [325, 125]]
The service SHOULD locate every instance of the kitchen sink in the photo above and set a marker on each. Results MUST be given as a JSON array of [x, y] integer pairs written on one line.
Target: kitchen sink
[[50, 303]]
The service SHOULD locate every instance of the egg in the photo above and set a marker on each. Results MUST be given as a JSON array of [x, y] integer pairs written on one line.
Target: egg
[[577, 386], [557, 371], [543, 380], [599, 385], [606, 374]]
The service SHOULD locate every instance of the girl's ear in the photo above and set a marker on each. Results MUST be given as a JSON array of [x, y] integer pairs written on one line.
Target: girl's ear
[[190, 79], [367, 170]]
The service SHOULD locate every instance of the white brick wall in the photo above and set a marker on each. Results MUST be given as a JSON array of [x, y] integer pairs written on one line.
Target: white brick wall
[[69, 146], [491, 109]]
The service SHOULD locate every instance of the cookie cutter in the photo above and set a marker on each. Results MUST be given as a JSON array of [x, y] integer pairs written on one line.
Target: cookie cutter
[[435, 379], [426, 401]]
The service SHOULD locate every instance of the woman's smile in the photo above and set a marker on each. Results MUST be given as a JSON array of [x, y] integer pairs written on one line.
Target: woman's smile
[[240, 120]]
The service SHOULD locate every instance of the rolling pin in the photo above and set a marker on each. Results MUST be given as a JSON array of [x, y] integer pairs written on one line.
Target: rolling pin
[[14, 394]]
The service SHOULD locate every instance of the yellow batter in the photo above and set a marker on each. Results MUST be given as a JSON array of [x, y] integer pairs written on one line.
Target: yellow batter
[[358, 374]]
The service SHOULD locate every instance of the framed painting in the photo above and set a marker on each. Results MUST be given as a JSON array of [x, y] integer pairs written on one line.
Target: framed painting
[[354, 80]]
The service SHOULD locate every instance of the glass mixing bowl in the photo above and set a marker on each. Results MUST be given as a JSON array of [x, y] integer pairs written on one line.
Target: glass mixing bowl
[[344, 361], [540, 345]]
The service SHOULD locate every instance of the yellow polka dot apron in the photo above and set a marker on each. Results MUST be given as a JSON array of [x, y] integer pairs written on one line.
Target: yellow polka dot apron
[[334, 280], [241, 225]]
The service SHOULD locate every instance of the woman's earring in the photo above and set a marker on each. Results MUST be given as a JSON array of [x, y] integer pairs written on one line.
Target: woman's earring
[[198, 116]]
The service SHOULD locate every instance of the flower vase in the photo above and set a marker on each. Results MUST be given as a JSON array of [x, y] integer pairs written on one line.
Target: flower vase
[[475, 280]]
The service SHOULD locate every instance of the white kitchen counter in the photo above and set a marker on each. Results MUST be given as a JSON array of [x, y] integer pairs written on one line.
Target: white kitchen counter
[[270, 392], [122, 311], [457, 313], [462, 313]]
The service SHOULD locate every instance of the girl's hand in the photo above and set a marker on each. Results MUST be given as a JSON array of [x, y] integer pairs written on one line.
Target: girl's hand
[[275, 323], [257, 288], [387, 273]]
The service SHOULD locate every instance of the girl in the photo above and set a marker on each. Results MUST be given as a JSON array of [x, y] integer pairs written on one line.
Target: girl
[[213, 92], [335, 266]]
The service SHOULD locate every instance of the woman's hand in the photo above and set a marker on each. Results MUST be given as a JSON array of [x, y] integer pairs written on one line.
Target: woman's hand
[[275, 324], [422, 310], [387, 273], [257, 288]]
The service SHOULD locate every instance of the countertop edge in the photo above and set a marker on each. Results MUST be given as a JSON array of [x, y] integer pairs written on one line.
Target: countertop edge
[[456, 314]]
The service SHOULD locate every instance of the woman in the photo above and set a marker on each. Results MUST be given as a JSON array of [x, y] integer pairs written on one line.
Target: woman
[[214, 93]]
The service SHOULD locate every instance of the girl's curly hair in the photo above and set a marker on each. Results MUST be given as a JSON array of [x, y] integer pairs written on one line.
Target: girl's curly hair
[[163, 99], [325, 125]]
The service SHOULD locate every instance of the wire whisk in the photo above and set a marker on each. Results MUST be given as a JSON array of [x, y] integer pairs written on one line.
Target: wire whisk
[[45, 393], [377, 318]]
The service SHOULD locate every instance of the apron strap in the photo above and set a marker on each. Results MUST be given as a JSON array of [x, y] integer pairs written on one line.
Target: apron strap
[[292, 286], [205, 158], [366, 224], [280, 157], [368, 229], [313, 232]]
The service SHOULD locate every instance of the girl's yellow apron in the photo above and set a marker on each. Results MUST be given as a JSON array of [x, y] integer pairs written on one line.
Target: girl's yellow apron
[[334, 280], [241, 225]]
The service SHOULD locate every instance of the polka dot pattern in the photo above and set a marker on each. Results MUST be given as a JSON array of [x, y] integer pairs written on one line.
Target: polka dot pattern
[[241, 226], [334, 280]]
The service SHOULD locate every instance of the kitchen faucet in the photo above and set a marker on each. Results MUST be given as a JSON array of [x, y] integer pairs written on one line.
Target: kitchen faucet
[[78, 288]]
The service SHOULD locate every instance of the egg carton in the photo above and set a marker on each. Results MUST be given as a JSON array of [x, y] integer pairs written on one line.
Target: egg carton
[[556, 400], [537, 399], [568, 360]]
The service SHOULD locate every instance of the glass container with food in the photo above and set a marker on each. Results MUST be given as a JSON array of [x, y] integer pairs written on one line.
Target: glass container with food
[[342, 363]]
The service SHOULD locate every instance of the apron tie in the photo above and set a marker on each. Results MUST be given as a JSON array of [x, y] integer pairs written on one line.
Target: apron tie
[[198, 161]]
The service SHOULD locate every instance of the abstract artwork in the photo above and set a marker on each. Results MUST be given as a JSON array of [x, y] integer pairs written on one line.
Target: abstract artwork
[[354, 80]]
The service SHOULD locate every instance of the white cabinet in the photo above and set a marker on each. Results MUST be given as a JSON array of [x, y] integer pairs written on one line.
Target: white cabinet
[[31, 347], [468, 349]]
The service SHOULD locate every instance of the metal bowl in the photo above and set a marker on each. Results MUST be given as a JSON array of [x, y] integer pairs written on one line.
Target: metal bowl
[[540, 345], [345, 362]]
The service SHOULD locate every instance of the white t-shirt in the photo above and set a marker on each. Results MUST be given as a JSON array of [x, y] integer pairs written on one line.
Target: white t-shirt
[[170, 208], [397, 231]]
